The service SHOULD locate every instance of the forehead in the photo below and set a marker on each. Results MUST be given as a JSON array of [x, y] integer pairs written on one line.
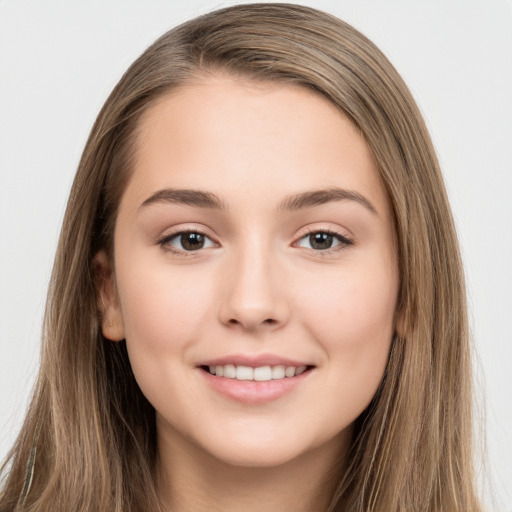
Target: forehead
[[227, 134]]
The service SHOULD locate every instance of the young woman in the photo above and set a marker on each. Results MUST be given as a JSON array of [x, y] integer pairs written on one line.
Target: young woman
[[257, 301]]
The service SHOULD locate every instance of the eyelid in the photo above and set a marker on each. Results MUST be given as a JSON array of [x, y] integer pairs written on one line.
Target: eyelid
[[164, 239], [345, 241]]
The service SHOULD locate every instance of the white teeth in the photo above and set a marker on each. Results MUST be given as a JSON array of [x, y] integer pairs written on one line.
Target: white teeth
[[260, 373], [300, 369], [290, 371], [278, 372], [230, 371], [263, 373], [244, 373]]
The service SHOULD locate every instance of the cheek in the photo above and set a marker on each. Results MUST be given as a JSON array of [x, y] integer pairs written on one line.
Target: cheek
[[163, 310], [353, 308], [353, 324], [352, 320]]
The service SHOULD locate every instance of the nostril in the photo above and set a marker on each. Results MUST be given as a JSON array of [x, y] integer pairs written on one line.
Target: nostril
[[268, 321]]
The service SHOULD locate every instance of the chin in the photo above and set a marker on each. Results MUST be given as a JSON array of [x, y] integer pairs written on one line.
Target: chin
[[255, 457], [261, 448]]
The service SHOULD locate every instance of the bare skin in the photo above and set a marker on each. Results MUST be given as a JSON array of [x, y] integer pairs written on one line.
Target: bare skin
[[199, 483], [283, 255]]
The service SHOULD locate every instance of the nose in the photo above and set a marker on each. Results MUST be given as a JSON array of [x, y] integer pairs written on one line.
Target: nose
[[253, 295]]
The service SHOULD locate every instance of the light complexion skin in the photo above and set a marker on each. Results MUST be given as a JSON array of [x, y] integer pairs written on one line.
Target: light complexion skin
[[254, 238]]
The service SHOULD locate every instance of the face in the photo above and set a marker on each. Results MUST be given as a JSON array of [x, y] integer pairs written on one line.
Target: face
[[255, 270]]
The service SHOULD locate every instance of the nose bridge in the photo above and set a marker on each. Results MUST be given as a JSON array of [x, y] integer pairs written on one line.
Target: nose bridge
[[253, 296]]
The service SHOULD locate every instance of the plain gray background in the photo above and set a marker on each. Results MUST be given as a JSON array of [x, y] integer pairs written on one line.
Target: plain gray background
[[59, 61]]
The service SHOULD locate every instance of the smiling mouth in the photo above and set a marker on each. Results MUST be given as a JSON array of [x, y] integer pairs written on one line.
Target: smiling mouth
[[257, 374]]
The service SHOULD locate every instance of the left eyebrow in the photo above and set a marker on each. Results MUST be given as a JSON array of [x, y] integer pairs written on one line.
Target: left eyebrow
[[300, 201], [320, 197]]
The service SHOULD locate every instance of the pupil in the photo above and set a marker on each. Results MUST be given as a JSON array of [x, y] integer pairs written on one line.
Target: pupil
[[321, 241], [192, 241]]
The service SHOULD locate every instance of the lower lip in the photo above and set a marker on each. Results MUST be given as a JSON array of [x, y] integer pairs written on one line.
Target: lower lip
[[254, 392]]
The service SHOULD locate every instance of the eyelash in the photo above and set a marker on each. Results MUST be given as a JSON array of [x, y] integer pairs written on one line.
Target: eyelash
[[344, 242], [168, 238]]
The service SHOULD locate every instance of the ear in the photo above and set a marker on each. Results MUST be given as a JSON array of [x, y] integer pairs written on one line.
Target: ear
[[108, 302]]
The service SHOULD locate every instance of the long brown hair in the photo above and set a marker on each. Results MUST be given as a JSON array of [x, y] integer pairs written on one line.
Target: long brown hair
[[89, 440]]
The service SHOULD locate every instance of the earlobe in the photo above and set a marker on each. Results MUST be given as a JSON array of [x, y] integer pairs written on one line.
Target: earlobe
[[107, 299]]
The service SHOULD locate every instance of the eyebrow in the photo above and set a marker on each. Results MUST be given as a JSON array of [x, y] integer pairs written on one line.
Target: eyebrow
[[319, 197], [300, 201], [187, 197]]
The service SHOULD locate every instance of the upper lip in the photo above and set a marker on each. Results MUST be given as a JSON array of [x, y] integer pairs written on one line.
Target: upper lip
[[254, 360]]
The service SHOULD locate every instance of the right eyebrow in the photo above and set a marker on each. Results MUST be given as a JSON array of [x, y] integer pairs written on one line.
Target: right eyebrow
[[187, 197]]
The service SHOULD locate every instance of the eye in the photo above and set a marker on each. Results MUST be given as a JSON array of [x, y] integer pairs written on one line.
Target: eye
[[187, 241], [323, 241]]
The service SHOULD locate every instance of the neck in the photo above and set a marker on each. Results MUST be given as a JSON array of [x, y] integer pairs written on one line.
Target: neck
[[191, 479]]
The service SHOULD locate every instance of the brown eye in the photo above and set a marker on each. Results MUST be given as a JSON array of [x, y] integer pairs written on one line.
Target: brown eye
[[323, 241], [192, 241], [186, 241]]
